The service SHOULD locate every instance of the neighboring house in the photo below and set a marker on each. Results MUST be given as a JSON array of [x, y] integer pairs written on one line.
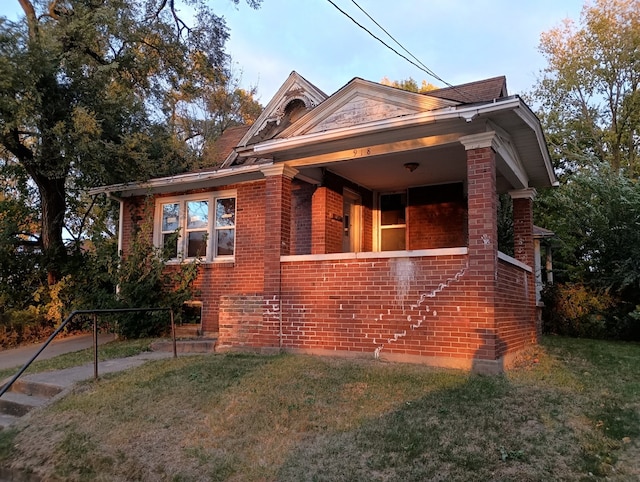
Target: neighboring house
[[364, 222]]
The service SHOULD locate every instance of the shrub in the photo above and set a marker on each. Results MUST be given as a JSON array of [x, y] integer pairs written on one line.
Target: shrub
[[146, 281], [574, 309], [22, 326]]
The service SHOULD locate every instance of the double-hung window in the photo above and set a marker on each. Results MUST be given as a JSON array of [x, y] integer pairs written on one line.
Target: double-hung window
[[197, 226], [393, 224]]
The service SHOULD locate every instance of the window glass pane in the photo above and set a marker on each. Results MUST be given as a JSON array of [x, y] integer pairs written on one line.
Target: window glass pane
[[225, 242], [170, 245], [393, 239], [392, 209], [197, 214], [226, 212], [196, 244], [170, 216]]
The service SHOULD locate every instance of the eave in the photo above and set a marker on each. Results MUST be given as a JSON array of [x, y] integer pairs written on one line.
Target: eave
[[524, 157], [184, 182]]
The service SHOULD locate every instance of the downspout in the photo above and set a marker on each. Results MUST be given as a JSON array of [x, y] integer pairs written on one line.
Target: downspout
[[280, 334], [120, 228]]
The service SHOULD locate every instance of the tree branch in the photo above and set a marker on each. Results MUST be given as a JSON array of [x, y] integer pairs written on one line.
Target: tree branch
[[32, 19]]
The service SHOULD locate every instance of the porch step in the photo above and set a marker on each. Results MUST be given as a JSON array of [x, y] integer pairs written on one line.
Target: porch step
[[198, 345], [188, 331]]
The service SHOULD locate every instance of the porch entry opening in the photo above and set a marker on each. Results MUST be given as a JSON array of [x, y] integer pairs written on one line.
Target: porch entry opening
[[393, 222], [191, 313], [352, 222]]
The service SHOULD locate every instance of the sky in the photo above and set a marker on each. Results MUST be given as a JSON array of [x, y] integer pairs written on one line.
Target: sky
[[459, 40]]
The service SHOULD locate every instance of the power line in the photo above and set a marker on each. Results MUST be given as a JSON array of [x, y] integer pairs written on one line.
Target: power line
[[426, 69], [419, 64]]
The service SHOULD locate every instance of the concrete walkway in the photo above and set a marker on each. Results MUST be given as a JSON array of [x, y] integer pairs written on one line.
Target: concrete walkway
[[67, 377], [16, 357]]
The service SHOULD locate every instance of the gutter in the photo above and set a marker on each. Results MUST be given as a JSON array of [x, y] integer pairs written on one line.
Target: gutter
[[160, 182]]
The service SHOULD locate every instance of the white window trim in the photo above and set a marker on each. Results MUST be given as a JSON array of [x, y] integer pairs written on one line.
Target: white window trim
[[212, 239], [378, 227]]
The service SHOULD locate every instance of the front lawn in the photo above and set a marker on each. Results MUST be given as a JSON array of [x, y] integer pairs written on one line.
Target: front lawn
[[570, 411]]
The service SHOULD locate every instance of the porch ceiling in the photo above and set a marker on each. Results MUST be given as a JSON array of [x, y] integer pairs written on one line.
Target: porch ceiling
[[438, 165]]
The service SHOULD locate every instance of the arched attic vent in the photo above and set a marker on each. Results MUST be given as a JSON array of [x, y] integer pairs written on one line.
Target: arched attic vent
[[289, 111]]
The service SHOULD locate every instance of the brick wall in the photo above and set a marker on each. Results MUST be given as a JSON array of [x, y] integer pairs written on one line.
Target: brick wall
[[301, 196], [515, 322], [240, 320], [483, 249], [245, 274], [135, 211], [359, 305], [437, 217]]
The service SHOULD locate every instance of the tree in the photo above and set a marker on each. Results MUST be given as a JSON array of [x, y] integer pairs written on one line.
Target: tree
[[200, 117], [589, 103], [409, 84], [84, 92], [589, 93]]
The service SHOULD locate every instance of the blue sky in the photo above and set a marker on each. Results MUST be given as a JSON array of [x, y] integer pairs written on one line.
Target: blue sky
[[460, 40]]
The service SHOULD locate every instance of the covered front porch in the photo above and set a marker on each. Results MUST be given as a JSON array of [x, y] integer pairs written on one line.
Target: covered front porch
[[391, 248]]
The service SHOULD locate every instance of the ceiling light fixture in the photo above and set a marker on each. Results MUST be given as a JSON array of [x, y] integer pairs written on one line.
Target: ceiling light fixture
[[411, 166]]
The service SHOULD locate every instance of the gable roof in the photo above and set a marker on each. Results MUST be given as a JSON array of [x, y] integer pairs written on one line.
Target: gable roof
[[274, 117], [361, 101], [368, 124], [481, 91]]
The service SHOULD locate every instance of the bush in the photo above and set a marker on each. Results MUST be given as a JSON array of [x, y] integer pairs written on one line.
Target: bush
[[19, 327], [146, 281], [573, 309]]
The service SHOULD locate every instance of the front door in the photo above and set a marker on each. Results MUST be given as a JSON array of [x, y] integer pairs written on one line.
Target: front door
[[351, 222]]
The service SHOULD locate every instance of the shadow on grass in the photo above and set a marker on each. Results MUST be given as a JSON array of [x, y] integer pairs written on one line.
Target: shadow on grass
[[566, 421], [469, 432]]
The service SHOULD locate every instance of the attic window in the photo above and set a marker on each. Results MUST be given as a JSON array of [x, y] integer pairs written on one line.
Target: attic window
[[294, 110]]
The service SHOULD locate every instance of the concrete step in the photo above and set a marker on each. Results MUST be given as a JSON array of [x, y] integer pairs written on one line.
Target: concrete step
[[36, 389], [7, 421], [188, 331], [198, 345], [19, 404]]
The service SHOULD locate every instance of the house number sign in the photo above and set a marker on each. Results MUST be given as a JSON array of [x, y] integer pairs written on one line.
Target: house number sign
[[362, 152]]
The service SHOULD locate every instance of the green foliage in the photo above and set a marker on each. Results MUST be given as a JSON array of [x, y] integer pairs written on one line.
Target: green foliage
[[19, 327], [595, 216], [575, 310], [97, 93], [409, 84], [505, 224], [588, 93], [145, 280], [589, 105], [91, 94]]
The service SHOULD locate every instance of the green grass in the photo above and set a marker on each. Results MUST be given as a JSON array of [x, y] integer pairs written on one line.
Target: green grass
[[570, 411]]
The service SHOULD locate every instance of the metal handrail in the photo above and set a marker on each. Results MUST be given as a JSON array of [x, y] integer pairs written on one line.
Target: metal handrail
[[95, 313]]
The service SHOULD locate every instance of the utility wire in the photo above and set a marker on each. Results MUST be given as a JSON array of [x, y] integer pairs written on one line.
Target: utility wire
[[419, 64], [425, 68]]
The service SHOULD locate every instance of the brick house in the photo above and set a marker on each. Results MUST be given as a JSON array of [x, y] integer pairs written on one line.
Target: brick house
[[362, 223]]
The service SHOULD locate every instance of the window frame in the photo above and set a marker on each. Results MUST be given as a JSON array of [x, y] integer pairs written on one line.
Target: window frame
[[183, 236], [382, 227]]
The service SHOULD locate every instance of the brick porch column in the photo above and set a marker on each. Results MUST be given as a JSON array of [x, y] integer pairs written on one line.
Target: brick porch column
[[483, 247], [277, 242], [523, 246], [319, 220]]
